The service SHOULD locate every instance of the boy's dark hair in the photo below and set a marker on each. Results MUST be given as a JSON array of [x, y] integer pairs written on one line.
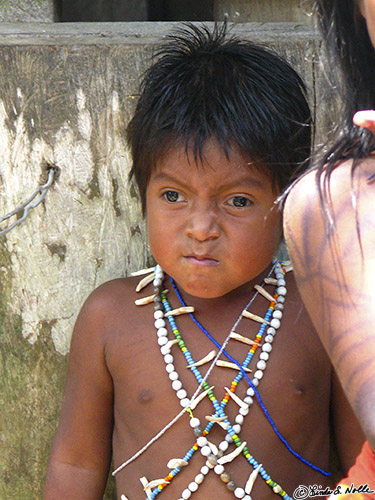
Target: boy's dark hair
[[206, 84]]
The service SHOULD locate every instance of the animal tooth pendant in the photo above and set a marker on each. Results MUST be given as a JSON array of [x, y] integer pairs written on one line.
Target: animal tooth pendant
[[241, 338], [179, 311], [227, 364], [210, 356], [144, 282], [200, 397], [213, 447], [145, 482], [218, 420], [141, 272], [231, 456], [171, 343], [212, 418], [250, 482], [270, 281], [254, 317], [154, 484], [223, 425], [176, 462], [146, 300], [238, 400], [264, 292]]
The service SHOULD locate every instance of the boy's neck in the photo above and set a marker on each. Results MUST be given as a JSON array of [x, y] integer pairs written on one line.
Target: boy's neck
[[241, 294]]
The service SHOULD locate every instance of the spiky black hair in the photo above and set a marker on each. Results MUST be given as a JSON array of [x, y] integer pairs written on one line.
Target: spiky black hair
[[209, 84]]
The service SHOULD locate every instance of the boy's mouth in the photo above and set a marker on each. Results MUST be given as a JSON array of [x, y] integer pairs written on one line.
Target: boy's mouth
[[201, 260]]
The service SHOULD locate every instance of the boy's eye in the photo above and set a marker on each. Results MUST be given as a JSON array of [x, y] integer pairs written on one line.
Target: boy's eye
[[239, 202], [172, 196]]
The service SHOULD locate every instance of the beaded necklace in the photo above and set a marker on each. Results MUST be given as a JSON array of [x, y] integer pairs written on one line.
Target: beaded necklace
[[215, 458], [214, 455], [274, 325]]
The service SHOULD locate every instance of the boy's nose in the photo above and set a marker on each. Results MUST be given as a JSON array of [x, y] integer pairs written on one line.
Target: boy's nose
[[203, 224]]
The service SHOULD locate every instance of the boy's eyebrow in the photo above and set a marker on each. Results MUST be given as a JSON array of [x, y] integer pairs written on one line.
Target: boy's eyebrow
[[246, 180]]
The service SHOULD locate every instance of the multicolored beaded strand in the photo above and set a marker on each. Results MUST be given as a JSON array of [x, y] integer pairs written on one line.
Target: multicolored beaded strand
[[202, 442], [158, 277], [213, 460], [275, 323]]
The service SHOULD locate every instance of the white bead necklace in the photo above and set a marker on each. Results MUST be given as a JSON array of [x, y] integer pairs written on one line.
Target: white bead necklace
[[214, 455]]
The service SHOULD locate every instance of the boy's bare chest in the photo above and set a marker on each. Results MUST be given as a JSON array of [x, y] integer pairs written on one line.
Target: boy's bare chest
[[151, 384], [192, 348], [290, 365]]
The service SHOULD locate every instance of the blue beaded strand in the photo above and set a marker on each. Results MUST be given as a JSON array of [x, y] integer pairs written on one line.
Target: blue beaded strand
[[262, 405], [219, 407]]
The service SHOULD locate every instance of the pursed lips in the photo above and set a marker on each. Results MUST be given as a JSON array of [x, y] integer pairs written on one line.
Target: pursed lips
[[201, 260]]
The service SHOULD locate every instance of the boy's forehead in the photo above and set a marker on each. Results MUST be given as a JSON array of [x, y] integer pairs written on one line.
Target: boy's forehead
[[214, 161], [210, 155]]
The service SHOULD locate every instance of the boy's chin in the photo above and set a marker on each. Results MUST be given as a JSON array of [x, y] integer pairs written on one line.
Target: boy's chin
[[211, 292]]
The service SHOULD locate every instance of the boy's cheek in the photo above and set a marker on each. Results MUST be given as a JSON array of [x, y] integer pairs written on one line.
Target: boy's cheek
[[157, 236]]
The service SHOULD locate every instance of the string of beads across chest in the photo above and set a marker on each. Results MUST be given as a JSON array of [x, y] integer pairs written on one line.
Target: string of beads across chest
[[232, 446]]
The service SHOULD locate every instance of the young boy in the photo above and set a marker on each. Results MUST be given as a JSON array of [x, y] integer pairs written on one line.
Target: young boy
[[220, 126]]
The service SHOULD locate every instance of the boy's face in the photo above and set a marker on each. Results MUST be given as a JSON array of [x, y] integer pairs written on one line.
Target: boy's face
[[212, 227]]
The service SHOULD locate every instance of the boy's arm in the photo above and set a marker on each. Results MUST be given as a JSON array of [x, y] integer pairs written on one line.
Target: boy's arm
[[335, 275], [81, 451]]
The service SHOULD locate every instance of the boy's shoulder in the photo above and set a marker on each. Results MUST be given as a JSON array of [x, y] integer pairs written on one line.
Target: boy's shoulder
[[126, 290], [111, 294], [112, 307]]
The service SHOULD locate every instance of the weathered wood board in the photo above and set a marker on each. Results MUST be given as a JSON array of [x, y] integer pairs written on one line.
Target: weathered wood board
[[264, 10], [13, 11]]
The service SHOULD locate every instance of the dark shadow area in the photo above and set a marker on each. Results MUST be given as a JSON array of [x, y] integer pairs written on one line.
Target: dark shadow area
[[57, 5], [134, 10], [181, 10]]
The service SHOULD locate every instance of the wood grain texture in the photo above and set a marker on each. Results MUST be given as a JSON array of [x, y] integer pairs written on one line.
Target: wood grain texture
[[13, 11], [264, 10]]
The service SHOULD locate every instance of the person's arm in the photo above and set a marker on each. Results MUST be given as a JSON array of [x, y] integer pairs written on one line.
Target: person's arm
[[335, 275], [347, 434], [81, 452]]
